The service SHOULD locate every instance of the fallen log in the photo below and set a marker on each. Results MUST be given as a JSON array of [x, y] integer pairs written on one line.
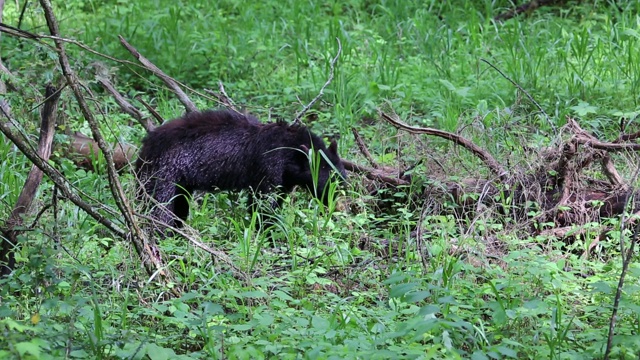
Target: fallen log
[[86, 154]]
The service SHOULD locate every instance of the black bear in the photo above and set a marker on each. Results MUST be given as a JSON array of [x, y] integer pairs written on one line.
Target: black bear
[[229, 151]]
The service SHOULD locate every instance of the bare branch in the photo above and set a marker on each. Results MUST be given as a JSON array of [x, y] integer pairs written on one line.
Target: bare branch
[[584, 138], [363, 148], [25, 199], [170, 82], [373, 174], [626, 260], [7, 29], [11, 85], [125, 105], [489, 161], [57, 178], [628, 137], [151, 110], [148, 252], [321, 92], [553, 126], [4, 104], [223, 98], [610, 171], [596, 144], [186, 232]]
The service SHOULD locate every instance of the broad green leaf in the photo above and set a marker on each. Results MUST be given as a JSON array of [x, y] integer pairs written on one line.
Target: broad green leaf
[[24, 348], [156, 352]]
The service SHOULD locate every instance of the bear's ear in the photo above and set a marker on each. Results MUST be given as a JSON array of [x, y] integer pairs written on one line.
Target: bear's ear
[[304, 148], [333, 147]]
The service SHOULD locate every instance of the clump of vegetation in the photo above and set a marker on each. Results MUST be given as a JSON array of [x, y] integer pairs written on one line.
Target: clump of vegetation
[[431, 251]]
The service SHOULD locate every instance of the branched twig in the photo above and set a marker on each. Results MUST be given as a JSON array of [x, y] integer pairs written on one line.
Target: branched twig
[[491, 163], [185, 234], [125, 105], [555, 130], [626, 260], [7, 29], [57, 178], [148, 252], [169, 81], [228, 101], [222, 97], [299, 116]]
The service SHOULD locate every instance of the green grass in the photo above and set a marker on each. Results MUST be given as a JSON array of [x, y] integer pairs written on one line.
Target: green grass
[[346, 282]]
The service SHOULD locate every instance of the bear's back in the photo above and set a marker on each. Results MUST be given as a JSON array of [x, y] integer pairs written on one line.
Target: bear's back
[[192, 127]]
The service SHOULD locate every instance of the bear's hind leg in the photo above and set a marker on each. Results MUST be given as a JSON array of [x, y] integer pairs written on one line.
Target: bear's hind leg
[[181, 205]]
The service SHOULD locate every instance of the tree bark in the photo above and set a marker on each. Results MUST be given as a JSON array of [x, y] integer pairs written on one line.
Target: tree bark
[[148, 251], [4, 104], [25, 199]]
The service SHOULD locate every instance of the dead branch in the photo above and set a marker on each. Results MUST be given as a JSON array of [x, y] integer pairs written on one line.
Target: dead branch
[[628, 137], [147, 250], [627, 258], [25, 199], [566, 170], [488, 160], [584, 138], [597, 144], [186, 232], [374, 174], [553, 126], [151, 110], [170, 82], [222, 97], [83, 151], [363, 148], [8, 29], [58, 179], [580, 136], [609, 170], [124, 104], [10, 83], [4, 104], [332, 65]]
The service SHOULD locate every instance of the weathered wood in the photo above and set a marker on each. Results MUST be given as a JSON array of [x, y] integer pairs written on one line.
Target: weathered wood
[[25, 199], [149, 253], [170, 82], [84, 152]]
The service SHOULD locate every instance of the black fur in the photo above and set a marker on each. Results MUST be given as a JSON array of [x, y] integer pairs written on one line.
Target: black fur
[[227, 151]]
